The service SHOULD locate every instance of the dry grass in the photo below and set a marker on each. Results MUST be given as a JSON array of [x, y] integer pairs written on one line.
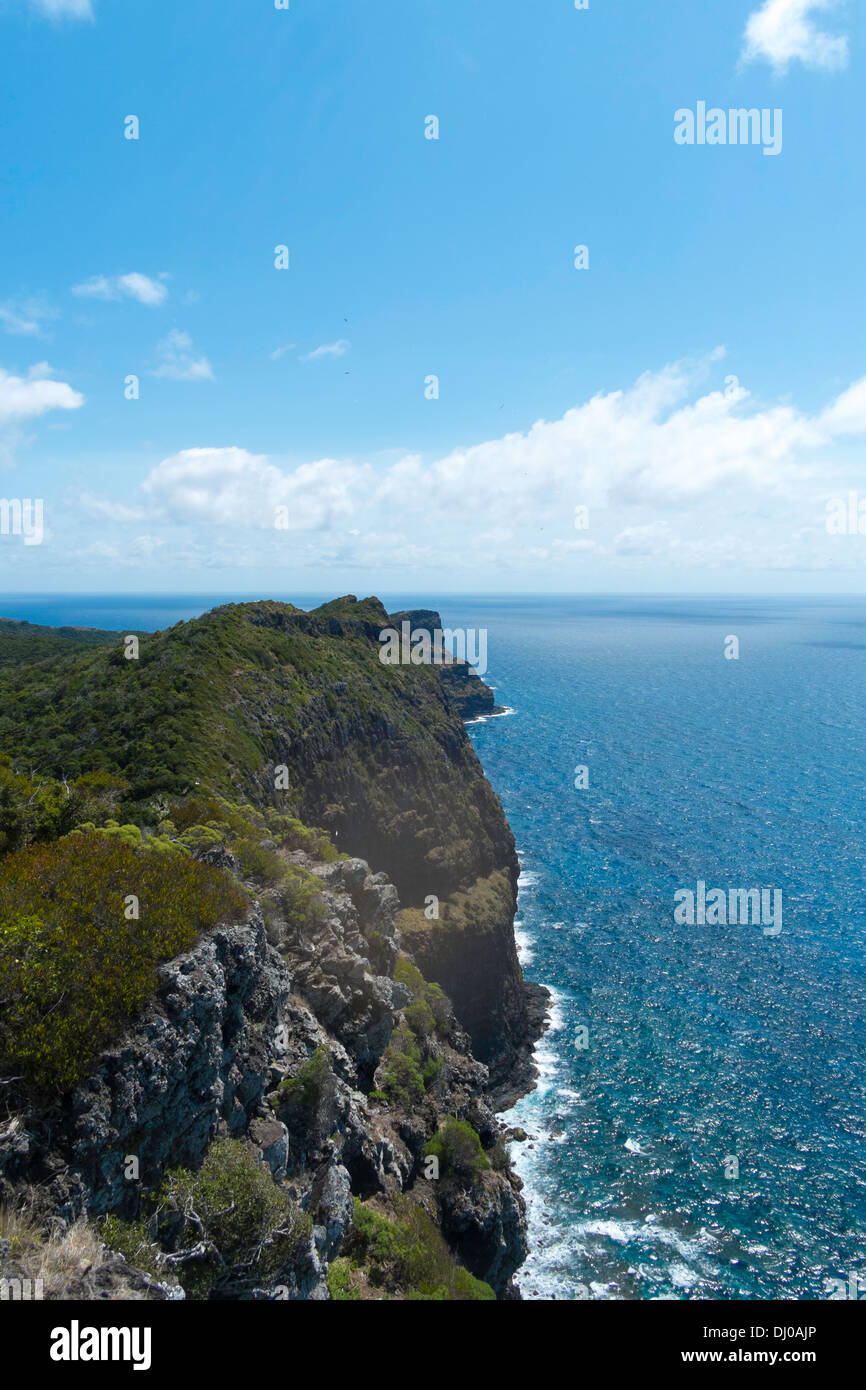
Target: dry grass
[[60, 1260]]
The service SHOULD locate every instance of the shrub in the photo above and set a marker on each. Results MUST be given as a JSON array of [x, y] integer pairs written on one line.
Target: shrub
[[73, 969], [405, 973], [199, 838], [304, 1091], [249, 1228], [29, 809], [258, 861], [300, 897], [427, 993], [131, 1240], [406, 1254], [400, 1070], [305, 1103], [419, 1017], [339, 1281], [458, 1149]]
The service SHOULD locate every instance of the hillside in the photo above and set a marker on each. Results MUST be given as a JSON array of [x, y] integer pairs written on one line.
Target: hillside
[[280, 1011], [376, 755]]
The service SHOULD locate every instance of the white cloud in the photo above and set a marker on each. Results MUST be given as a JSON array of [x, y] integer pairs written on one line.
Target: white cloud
[[782, 32], [233, 487], [114, 511], [673, 473], [16, 322], [131, 286], [64, 9], [178, 362], [338, 349], [25, 318], [847, 414], [24, 398], [281, 352]]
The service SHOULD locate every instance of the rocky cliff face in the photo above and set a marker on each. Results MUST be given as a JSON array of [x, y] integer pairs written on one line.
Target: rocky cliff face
[[293, 1039], [234, 1019]]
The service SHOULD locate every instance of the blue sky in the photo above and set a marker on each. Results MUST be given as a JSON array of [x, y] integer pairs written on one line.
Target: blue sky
[[700, 389]]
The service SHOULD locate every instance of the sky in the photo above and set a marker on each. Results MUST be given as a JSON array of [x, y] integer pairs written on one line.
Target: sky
[[325, 324]]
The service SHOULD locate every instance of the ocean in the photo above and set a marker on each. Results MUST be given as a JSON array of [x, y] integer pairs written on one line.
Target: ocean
[[698, 1128], [704, 1136]]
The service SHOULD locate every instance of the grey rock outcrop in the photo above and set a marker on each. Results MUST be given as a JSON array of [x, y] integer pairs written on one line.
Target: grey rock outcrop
[[218, 1052]]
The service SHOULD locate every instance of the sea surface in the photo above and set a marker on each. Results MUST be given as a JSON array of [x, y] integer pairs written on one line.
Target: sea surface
[[699, 1127], [704, 1043]]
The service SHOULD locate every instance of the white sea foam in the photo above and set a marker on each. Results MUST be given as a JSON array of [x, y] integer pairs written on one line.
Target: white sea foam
[[483, 718]]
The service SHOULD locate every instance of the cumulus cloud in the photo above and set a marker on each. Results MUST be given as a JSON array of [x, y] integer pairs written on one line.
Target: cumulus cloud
[[230, 486], [24, 398], [338, 349], [782, 32], [134, 285], [178, 361], [671, 470]]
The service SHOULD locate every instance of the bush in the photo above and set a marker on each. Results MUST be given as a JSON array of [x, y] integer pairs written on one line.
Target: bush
[[339, 1281], [401, 1077], [259, 862], [131, 1240], [458, 1149], [304, 1091], [73, 969], [427, 993], [249, 1228], [419, 1017], [29, 809], [300, 897], [406, 1254], [405, 973], [200, 838], [305, 1104]]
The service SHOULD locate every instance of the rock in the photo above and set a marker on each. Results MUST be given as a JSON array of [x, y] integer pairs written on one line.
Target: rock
[[271, 1138]]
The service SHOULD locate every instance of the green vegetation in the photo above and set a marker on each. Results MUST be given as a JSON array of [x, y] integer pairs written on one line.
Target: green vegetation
[[403, 1254], [304, 1091], [39, 808], [300, 897], [470, 910], [132, 1240], [432, 997], [457, 1146], [339, 1280], [216, 705], [402, 1078], [75, 964], [245, 1230], [22, 642], [409, 1067], [305, 1104]]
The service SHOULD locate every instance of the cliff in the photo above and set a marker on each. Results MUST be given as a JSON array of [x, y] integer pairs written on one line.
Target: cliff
[[313, 1033]]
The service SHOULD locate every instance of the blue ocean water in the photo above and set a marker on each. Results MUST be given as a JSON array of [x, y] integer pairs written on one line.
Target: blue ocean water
[[705, 1043]]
